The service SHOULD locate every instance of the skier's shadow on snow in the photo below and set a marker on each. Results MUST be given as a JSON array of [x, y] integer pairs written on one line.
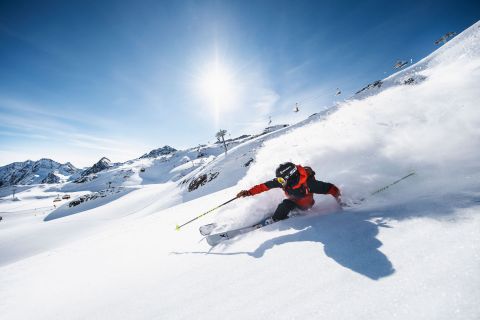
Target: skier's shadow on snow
[[348, 239]]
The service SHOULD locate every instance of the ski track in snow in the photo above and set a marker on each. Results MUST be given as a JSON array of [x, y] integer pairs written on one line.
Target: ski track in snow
[[410, 252]]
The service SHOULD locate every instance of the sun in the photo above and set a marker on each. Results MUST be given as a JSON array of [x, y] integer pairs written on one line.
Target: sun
[[217, 87], [216, 84]]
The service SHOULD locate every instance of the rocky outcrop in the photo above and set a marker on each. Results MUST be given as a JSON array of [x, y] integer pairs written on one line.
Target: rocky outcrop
[[163, 151], [101, 165], [51, 178]]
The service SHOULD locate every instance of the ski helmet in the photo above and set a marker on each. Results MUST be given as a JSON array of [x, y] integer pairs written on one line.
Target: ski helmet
[[287, 172]]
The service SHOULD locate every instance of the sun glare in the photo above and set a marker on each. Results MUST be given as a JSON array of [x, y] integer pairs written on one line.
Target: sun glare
[[216, 85]]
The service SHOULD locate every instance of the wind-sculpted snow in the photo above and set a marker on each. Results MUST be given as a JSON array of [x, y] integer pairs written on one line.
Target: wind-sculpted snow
[[87, 202], [35, 226]]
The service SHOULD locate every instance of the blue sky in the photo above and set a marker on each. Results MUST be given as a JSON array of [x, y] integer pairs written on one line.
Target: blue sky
[[84, 79]]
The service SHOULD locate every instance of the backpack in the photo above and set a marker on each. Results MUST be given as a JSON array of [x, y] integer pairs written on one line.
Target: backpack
[[309, 171]]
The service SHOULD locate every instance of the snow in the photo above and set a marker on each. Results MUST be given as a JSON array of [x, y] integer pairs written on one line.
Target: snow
[[409, 252]]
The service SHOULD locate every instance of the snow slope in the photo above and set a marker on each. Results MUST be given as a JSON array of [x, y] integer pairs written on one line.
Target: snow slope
[[410, 252]]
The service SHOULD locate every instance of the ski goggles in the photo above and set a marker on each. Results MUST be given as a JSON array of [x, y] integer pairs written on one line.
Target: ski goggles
[[283, 181]]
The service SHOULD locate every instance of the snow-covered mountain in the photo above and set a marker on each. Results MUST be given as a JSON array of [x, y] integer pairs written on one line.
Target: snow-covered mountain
[[163, 151], [407, 252], [102, 164], [35, 172], [163, 164]]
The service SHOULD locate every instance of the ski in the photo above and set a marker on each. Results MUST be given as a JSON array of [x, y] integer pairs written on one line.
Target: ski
[[216, 238], [205, 230]]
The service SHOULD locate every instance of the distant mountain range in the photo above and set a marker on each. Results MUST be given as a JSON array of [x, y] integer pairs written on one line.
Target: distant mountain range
[[35, 172], [47, 171]]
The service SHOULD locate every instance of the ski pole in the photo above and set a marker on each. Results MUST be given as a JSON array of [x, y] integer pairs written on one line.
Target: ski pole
[[179, 226], [391, 184]]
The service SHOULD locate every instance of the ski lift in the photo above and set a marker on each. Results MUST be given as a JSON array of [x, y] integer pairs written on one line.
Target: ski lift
[[400, 64], [296, 108], [57, 199], [447, 36]]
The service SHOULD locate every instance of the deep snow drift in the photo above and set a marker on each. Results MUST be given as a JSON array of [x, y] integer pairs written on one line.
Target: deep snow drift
[[410, 252]]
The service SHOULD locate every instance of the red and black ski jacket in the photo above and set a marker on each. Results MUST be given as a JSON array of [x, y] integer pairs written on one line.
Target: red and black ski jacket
[[302, 192]]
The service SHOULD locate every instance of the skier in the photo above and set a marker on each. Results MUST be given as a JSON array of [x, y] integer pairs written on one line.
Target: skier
[[299, 185]]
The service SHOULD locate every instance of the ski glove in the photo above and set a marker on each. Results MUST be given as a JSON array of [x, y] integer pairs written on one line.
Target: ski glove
[[243, 193], [335, 192]]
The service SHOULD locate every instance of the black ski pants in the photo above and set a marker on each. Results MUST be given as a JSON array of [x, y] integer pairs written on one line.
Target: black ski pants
[[283, 210]]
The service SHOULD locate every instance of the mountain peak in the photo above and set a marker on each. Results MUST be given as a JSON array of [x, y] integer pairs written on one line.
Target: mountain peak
[[159, 152], [104, 160], [102, 164]]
